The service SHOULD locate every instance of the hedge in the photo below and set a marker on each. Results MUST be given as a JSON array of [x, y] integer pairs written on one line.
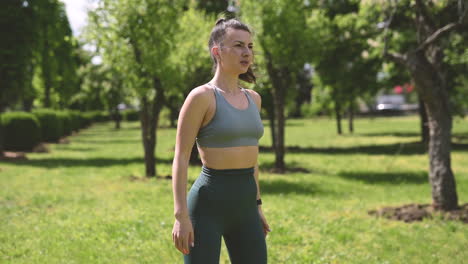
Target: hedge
[[131, 115], [22, 131], [51, 124]]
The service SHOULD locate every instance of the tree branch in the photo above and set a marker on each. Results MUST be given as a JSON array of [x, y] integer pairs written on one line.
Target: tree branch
[[462, 13], [437, 35], [429, 22], [396, 57]]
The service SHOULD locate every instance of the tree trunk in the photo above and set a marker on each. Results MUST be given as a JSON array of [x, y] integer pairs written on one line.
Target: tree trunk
[[424, 124], [279, 79], [271, 117], [278, 101], [351, 118], [1, 136], [432, 88], [147, 138], [338, 118], [28, 104], [149, 123], [46, 69], [173, 114], [117, 117]]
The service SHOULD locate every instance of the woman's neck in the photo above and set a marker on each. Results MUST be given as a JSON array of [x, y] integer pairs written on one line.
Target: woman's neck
[[227, 83]]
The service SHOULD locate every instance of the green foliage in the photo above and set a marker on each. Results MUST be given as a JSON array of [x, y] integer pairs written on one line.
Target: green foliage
[[38, 43], [345, 65], [135, 37], [16, 46], [22, 131], [51, 124]]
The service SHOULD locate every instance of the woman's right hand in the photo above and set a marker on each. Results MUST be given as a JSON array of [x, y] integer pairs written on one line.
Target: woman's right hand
[[182, 235]]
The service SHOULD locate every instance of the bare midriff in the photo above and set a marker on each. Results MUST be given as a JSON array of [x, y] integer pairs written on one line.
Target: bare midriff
[[229, 158]]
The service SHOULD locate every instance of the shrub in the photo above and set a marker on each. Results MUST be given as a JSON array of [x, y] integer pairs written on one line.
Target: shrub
[[66, 122], [131, 115], [51, 125], [22, 131]]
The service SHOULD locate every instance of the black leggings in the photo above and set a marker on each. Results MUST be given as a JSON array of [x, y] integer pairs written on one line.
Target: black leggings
[[223, 203]]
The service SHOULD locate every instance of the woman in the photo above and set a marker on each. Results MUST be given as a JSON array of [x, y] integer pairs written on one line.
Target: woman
[[224, 119]]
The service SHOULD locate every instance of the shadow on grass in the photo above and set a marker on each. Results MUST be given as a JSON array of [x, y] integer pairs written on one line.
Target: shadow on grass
[[287, 187], [373, 177], [78, 149], [91, 162], [291, 167], [390, 134], [460, 136], [113, 141], [459, 147], [409, 148]]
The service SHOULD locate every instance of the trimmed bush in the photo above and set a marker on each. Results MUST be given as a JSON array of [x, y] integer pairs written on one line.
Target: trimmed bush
[[66, 122], [86, 119], [75, 119], [131, 115], [51, 125], [22, 131]]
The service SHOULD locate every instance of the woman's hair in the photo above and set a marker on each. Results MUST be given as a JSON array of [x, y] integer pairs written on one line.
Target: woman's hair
[[217, 36]]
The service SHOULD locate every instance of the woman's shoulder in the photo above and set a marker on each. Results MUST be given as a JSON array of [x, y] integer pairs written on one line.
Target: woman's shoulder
[[252, 92], [255, 96], [202, 93]]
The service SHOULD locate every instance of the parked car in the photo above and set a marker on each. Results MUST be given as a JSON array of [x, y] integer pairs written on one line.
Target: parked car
[[390, 104]]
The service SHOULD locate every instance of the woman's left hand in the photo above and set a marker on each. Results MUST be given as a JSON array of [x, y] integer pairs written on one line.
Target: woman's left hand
[[266, 227]]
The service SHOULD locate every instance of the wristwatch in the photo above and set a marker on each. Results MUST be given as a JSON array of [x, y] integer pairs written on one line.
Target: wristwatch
[[259, 201]]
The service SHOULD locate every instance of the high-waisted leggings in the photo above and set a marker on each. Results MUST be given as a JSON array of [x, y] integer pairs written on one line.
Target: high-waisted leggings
[[222, 203]]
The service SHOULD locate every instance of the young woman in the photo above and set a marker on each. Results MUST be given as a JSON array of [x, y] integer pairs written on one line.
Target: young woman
[[224, 119]]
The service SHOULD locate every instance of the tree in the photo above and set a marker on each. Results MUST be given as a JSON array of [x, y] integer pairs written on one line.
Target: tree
[[433, 22], [55, 54], [16, 49], [192, 60], [279, 26], [345, 64], [137, 36]]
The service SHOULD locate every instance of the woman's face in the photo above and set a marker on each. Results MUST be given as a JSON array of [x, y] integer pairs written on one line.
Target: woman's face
[[235, 53]]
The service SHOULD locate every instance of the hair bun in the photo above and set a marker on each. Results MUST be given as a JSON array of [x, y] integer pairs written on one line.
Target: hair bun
[[219, 21]]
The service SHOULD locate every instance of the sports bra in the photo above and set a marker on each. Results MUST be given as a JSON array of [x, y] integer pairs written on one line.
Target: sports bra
[[230, 126]]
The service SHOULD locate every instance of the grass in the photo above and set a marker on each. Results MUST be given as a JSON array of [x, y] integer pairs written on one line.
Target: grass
[[78, 204]]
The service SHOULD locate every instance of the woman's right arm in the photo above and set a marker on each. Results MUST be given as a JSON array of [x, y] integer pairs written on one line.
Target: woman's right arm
[[190, 118], [189, 122]]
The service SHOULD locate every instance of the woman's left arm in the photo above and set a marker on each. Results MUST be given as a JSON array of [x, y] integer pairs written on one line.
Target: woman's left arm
[[266, 227]]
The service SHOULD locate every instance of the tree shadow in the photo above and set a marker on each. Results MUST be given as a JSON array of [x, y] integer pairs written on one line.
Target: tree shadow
[[113, 141], [408, 148], [90, 162], [460, 136], [459, 147], [390, 134], [287, 187], [291, 167], [77, 149], [374, 177]]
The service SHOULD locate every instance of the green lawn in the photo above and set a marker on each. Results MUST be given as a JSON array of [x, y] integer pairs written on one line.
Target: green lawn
[[78, 204]]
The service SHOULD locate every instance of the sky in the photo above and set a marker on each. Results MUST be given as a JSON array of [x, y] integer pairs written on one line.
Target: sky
[[76, 12]]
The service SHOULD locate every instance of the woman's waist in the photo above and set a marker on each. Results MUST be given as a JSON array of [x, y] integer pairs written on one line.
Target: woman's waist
[[229, 158]]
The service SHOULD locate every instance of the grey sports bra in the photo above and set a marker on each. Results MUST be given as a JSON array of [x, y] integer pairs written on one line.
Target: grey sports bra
[[230, 126]]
